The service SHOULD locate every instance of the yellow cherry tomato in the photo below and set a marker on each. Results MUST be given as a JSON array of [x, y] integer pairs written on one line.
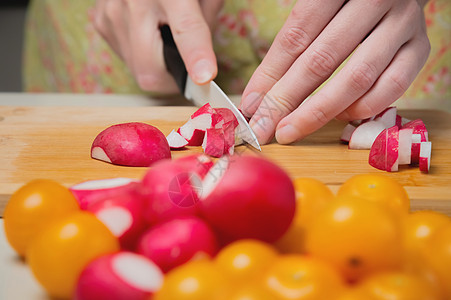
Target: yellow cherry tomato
[[33, 207], [438, 257], [312, 196], [418, 226], [243, 260], [300, 277], [252, 291], [397, 286], [194, 280], [354, 293], [378, 188], [357, 237], [59, 253]]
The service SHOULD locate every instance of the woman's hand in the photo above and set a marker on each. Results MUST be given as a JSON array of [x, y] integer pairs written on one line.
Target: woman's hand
[[391, 46], [131, 28]]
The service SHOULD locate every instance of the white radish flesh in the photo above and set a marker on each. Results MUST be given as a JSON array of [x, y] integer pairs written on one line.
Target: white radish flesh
[[405, 146], [388, 117], [425, 156], [176, 141], [365, 134], [347, 132]]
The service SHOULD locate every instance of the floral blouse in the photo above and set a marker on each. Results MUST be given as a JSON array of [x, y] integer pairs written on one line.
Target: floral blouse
[[64, 53]]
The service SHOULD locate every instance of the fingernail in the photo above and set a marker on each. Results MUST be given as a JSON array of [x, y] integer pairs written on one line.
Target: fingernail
[[250, 103], [202, 71], [287, 134], [263, 129]]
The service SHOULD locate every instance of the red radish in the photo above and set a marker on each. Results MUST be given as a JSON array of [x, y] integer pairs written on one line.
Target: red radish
[[172, 243], [347, 132], [176, 141], [425, 156], [387, 116], [365, 134], [228, 116], [229, 137], [401, 121], [170, 191], [197, 163], [385, 150], [93, 191], [405, 145], [418, 129], [131, 144], [248, 197], [122, 214], [214, 142], [119, 276]]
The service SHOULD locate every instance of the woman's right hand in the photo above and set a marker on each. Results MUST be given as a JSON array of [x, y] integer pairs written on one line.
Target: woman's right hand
[[131, 28]]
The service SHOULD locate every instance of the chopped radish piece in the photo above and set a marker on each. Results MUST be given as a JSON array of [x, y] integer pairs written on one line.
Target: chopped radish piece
[[248, 197], [170, 191], [425, 156], [123, 275], [378, 152], [392, 149], [388, 117], [365, 134], [197, 163], [405, 146], [92, 191], [229, 137], [347, 132], [228, 116], [122, 214], [194, 131], [176, 141], [131, 144], [214, 142], [174, 242], [418, 129]]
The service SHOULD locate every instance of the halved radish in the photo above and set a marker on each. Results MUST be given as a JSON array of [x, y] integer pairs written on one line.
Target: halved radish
[[425, 156], [170, 190], [420, 134], [123, 275], [392, 149], [405, 145], [131, 144], [365, 134], [122, 214], [176, 141], [229, 137], [174, 242], [92, 191], [347, 132], [387, 116], [227, 116], [384, 152], [214, 142], [248, 197]]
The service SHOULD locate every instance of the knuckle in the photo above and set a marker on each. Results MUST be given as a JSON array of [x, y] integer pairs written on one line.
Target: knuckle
[[285, 104], [321, 62], [269, 74], [112, 10], [320, 115], [380, 3], [294, 40], [361, 111], [400, 83], [188, 23], [363, 76]]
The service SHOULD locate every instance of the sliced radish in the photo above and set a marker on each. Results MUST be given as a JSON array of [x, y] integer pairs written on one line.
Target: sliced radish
[[425, 156], [365, 134], [200, 164], [228, 116], [122, 214], [123, 275], [214, 142], [176, 140], [392, 149], [93, 191], [347, 132], [378, 152], [170, 190], [248, 197], [174, 242], [405, 146], [387, 116], [229, 137], [131, 144], [420, 134]]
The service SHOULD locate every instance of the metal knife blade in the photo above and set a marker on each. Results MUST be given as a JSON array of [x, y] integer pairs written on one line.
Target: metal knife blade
[[201, 94]]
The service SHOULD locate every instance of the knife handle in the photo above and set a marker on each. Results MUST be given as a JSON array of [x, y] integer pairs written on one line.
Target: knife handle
[[173, 60]]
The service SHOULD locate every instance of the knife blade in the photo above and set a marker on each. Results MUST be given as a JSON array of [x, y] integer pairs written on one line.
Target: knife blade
[[201, 94]]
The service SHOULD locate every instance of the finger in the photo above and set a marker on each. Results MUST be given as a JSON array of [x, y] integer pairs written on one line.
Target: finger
[[193, 38], [210, 10], [393, 82], [306, 21], [340, 37], [115, 18], [146, 49]]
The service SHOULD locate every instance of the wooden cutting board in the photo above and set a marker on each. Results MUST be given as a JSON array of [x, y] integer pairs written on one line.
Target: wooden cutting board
[[54, 143]]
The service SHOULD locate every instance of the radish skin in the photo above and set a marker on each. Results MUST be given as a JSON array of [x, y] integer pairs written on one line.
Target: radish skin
[[214, 142], [378, 151], [175, 242], [123, 275], [425, 156], [392, 159]]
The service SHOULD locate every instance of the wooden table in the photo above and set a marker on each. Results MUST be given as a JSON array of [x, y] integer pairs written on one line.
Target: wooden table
[[54, 142]]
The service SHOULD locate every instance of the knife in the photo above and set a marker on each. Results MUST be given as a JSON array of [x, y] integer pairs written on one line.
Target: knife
[[201, 94]]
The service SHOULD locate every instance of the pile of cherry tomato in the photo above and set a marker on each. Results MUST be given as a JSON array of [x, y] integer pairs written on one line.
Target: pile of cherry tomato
[[362, 243]]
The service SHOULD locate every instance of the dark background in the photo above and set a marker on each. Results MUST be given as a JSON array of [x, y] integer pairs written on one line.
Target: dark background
[[12, 17]]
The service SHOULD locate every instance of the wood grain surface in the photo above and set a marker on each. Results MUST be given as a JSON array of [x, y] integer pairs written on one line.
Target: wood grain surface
[[54, 143]]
